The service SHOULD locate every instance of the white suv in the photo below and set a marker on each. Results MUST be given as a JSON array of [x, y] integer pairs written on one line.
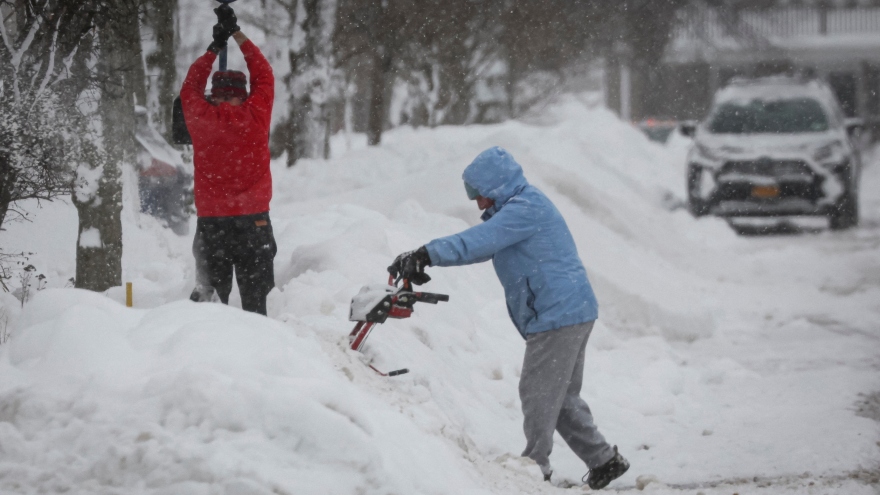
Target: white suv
[[772, 147]]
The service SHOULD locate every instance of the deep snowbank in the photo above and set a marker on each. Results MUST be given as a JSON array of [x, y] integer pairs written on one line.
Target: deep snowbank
[[190, 398]]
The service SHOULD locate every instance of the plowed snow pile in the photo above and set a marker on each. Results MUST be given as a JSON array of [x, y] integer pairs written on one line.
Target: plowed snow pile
[[718, 360]]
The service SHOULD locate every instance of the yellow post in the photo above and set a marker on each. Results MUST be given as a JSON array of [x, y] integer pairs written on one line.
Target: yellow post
[[128, 297]]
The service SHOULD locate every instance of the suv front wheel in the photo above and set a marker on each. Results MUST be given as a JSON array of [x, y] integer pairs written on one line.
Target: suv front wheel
[[696, 205], [846, 212]]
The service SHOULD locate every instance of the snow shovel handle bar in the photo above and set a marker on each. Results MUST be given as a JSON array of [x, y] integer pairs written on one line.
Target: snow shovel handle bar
[[430, 297]]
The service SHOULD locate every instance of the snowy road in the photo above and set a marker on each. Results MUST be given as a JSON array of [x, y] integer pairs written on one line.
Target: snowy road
[[720, 364]]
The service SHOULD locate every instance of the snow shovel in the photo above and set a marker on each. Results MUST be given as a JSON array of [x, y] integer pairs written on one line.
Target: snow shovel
[[376, 303]]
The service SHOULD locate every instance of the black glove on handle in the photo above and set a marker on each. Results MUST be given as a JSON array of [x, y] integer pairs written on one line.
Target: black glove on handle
[[220, 39], [227, 24], [226, 18], [411, 266]]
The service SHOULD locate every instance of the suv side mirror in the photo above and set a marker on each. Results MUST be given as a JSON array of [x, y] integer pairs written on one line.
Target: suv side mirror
[[688, 128], [854, 126]]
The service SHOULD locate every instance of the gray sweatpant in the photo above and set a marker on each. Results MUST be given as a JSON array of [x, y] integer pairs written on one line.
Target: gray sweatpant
[[549, 388]]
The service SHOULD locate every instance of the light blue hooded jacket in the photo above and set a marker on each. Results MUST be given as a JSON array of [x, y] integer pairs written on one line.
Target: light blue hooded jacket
[[526, 238]]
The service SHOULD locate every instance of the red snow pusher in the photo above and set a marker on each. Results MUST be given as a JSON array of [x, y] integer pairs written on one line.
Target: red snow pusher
[[376, 303]]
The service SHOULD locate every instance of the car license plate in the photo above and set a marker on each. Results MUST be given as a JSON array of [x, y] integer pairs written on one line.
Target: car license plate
[[765, 192]]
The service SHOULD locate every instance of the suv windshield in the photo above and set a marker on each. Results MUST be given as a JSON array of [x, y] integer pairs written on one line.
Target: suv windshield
[[758, 116]]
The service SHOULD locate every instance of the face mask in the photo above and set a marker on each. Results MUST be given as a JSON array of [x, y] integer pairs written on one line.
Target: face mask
[[471, 192]]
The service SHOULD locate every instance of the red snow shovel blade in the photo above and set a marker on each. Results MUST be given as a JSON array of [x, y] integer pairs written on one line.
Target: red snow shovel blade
[[376, 303]]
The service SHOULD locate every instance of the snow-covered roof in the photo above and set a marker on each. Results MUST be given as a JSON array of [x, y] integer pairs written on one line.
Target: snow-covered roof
[[849, 36]]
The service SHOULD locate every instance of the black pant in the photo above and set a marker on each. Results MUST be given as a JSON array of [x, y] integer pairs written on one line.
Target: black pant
[[246, 245]]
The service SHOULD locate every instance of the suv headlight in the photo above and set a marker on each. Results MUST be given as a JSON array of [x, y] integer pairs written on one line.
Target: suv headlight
[[829, 154]]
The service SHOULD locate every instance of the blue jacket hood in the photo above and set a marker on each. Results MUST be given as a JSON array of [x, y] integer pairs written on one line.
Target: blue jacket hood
[[496, 175]]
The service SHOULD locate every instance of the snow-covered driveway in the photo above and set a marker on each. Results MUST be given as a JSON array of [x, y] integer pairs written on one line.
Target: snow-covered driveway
[[720, 363]]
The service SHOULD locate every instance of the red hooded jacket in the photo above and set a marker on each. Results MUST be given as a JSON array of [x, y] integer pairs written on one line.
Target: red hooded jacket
[[231, 144]]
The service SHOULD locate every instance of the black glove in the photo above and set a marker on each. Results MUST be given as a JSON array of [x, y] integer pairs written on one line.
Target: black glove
[[220, 38], [226, 18], [411, 266], [227, 24]]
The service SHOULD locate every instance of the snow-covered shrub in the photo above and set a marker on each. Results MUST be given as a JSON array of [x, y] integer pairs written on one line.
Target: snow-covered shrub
[[35, 148]]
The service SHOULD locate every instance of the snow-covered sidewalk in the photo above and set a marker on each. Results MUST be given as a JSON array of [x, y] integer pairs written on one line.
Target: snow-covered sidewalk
[[720, 363]]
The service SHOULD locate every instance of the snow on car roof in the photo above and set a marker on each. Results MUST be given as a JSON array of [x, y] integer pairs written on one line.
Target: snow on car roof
[[773, 89]]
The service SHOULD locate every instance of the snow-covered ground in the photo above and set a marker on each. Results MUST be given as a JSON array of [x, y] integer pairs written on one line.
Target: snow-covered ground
[[720, 363]]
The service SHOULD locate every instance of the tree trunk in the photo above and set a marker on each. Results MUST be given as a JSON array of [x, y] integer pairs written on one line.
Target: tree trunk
[[511, 89], [7, 181], [310, 84], [456, 92], [379, 70], [161, 69], [99, 242]]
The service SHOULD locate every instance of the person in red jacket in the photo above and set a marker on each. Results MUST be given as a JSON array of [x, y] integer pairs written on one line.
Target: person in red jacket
[[233, 183]]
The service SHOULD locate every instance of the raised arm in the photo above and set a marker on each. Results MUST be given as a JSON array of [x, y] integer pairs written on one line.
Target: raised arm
[[192, 94], [262, 79]]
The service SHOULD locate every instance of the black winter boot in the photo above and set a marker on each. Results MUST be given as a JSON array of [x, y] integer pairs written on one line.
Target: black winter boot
[[608, 472]]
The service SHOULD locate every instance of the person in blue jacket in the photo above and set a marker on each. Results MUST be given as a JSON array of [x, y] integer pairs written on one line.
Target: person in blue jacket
[[549, 299]]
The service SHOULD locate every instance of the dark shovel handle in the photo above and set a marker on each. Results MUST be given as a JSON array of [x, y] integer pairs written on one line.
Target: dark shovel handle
[[222, 55]]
